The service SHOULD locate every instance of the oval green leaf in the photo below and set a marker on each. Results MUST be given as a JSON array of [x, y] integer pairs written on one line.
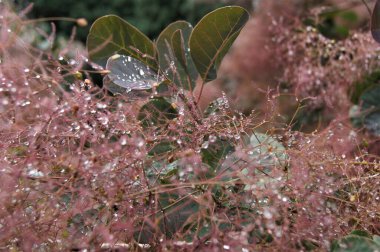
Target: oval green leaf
[[173, 54], [213, 36], [111, 35], [371, 110], [130, 73], [375, 22], [157, 112]]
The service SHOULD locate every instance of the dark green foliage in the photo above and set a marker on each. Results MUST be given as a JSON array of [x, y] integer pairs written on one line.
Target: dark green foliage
[[329, 26], [213, 36], [111, 34], [375, 22], [162, 148], [359, 87], [367, 113], [173, 54], [216, 152], [149, 16], [357, 241], [179, 56], [371, 109], [157, 112], [175, 211]]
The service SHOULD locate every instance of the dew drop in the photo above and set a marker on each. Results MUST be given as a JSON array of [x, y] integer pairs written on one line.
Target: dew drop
[[205, 145], [101, 105], [140, 143], [212, 138], [123, 140]]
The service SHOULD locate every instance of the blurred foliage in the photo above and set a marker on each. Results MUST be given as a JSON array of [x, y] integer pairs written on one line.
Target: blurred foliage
[[336, 24], [149, 16]]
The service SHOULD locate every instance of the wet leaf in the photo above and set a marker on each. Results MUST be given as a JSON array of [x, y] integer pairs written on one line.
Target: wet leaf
[[371, 110], [361, 233], [375, 22], [161, 148], [213, 36], [174, 56], [130, 73], [162, 172], [111, 35], [365, 83], [216, 152], [267, 151], [157, 112], [376, 239], [176, 210], [355, 243]]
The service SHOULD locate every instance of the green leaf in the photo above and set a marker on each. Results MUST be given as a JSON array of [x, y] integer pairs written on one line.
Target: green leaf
[[162, 172], [355, 243], [157, 112], [213, 36], [356, 116], [173, 54], [161, 148], [371, 110], [178, 45], [268, 151], [376, 239], [225, 48], [366, 82], [265, 152], [176, 210], [361, 233], [130, 73], [216, 152], [111, 35], [375, 22]]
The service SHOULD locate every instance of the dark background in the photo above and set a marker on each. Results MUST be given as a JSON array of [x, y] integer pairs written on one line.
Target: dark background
[[150, 16]]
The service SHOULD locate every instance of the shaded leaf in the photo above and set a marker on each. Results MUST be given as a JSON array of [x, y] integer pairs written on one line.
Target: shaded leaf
[[157, 112], [361, 233], [355, 243], [376, 239], [216, 152], [176, 210], [161, 148], [213, 36], [178, 46], [173, 54], [371, 110], [162, 172], [356, 116], [111, 35], [375, 22], [267, 151], [366, 82]]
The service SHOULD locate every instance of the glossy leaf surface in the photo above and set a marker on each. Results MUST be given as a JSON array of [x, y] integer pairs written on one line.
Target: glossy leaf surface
[[213, 36], [111, 35]]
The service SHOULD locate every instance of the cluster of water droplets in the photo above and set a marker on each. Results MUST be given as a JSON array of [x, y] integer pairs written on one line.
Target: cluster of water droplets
[[130, 73]]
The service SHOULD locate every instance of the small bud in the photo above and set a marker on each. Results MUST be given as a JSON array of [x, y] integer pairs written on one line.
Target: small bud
[[156, 84], [115, 56], [78, 75], [82, 22]]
